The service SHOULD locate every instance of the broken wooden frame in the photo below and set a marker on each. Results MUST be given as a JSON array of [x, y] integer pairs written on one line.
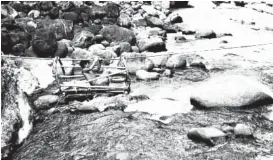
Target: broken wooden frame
[[87, 89]]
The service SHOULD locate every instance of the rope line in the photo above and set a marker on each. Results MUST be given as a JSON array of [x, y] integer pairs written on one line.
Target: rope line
[[168, 54]]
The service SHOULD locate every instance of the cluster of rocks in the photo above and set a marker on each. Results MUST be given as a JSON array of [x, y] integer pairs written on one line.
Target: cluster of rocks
[[81, 30]]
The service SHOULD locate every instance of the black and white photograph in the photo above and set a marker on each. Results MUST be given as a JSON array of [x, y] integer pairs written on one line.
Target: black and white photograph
[[137, 80]]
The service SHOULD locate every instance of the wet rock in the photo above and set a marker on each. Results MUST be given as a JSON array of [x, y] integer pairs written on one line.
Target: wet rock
[[62, 50], [44, 43], [180, 39], [124, 20], [46, 101], [71, 16], [125, 47], [8, 11], [231, 91], [146, 76], [175, 18], [243, 130], [205, 33], [83, 39], [205, 134], [176, 61], [154, 22], [153, 44], [63, 29], [34, 14], [113, 33]]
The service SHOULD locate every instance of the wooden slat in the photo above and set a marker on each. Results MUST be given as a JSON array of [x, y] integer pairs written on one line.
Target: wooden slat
[[92, 87], [73, 76], [107, 75], [101, 66]]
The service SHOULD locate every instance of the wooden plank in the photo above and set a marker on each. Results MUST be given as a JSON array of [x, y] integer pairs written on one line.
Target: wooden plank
[[101, 66], [92, 87], [107, 75]]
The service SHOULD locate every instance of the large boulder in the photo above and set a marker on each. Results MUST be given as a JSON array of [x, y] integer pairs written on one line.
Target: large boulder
[[113, 33], [231, 91], [146, 76], [44, 43], [152, 44], [176, 61], [12, 35], [82, 39], [63, 29]]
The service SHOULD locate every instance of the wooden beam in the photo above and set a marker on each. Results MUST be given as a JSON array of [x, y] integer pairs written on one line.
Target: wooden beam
[[73, 76]]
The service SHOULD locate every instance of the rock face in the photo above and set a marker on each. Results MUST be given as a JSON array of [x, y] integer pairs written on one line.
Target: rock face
[[16, 114], [231, 91], [113, 33]]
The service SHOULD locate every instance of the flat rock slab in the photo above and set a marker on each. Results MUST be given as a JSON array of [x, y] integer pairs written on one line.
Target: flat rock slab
[[231, 91]]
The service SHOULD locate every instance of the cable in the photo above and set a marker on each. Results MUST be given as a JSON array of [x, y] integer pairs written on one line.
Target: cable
[[168, 54]]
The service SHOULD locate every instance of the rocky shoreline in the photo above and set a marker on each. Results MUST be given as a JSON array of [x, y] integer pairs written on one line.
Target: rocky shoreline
[[222, 99]]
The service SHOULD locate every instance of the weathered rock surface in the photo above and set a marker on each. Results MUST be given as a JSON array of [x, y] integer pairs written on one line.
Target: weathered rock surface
[[243, 130], [45, 102], [231, 91], [152, 44], [83, 39]]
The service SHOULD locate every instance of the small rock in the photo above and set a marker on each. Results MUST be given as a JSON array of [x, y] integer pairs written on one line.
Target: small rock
[[179, 39], [153, 44], [176, 19], [243, 130], [105, 43], [62, 50], [8, 11], [205, 33], [46, 101], [154, 22], [205, 134], [198, 64], [71, 16], [146, 76]]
